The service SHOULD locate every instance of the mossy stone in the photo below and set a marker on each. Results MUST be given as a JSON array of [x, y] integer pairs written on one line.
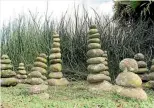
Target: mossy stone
[[95, 53], [55, 56], [55, 67], [7, 73], [8, 81], [94, 46], [40, 64], [41, 59]]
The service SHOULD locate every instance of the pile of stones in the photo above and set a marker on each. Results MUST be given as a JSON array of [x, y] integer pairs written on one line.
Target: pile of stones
[[142, 66], [97, 79], [36, 77], [55, 70], [21, 73], [7, 75], [128, 83], [150, 77]]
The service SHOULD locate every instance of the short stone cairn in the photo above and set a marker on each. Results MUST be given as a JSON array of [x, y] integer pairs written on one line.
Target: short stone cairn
[[7, 75], [41, 65], [97, 79], [150, 77], [36, 77], [55, 76], [128, 83], [21, 73], [142, 66]]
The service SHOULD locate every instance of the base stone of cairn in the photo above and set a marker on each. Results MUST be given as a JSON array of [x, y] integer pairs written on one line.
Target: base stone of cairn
[[142, 66], [150, 77], [98, 78], [36, 77], [55, 70], [21, 73], [7, 75], [128, 83]]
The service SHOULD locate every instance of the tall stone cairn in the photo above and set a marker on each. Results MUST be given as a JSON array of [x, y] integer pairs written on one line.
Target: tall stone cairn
[[37, 76], [150, 77], [142, 66], [7, 75], [21, 73], [128, 83], [98, 79], [55, 70]]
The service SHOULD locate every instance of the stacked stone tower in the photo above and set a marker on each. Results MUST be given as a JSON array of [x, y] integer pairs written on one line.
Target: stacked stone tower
[[142, 66], [55, 69], [128, 83], [41, 65], [7, 75], [36, 76], [21, 73], [95, 61], [106, 71]]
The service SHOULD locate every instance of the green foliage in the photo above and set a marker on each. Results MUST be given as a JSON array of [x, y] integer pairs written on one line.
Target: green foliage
[[74, 95]]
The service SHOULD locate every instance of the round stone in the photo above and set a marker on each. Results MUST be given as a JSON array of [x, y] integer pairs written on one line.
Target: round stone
[[41, 59], [128, 79], [94, 46], [35, 81], [96, 35], [21, 68], [56, 44], [56, 40], [96, 68], [139, 57], [41, 70], [43, 55], [142, 64], [21, 64], [151, 76], [5, 56], [93, 31], [6, 66], [55, 67], [21, 76], [152, 68], [95, 60], [35, 74], [5, 61], [55, 35], [40, 64], [7, 73], [94, 78], [56, 75], [8, 81], [95, 53], [129, 65], [93, 27], [22, 72]]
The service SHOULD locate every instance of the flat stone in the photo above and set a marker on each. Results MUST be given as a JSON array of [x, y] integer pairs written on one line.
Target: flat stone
[[22, 72], [96, 68], [41, 70], [94, 40], [34, 74], [56, 75], [93, 78], [142, 64], [94, 53], [58, 82], [7, 73], [152, 68], [8, 81], [5, 61], [41, 59], [105, 72], [55, 56], [40, 64], [95, 60], [35, 81], [21, 76], [55, 67], [142, 70], [94, 46]]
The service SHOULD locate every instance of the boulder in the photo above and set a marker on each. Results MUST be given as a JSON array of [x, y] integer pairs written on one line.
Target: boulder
[[95, 60], [137, 93], [128, 64], [94, 40], [142, 64], [96, 68], [93, 78], [8, 81], [95, 53], [56, 75], [101, 86], [139, 57], [57, 82], [7, 73], [94, 46], [128, 79], [35, 89], [55, 67]]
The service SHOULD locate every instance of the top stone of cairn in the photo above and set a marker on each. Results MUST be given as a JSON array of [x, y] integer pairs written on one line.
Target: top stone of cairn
[[139, 56]]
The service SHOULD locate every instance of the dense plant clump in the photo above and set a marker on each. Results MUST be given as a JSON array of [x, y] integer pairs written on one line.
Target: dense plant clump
[[25, 38]]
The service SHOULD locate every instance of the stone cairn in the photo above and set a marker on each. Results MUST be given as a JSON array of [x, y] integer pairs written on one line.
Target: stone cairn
[[21, 73], [55, 70], [37, 76], [128, 83], [150, 77], [7, 75], [142, 66], [97, 79]]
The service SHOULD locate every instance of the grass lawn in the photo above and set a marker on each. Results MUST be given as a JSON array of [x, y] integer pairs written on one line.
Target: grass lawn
[[75, 95]]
